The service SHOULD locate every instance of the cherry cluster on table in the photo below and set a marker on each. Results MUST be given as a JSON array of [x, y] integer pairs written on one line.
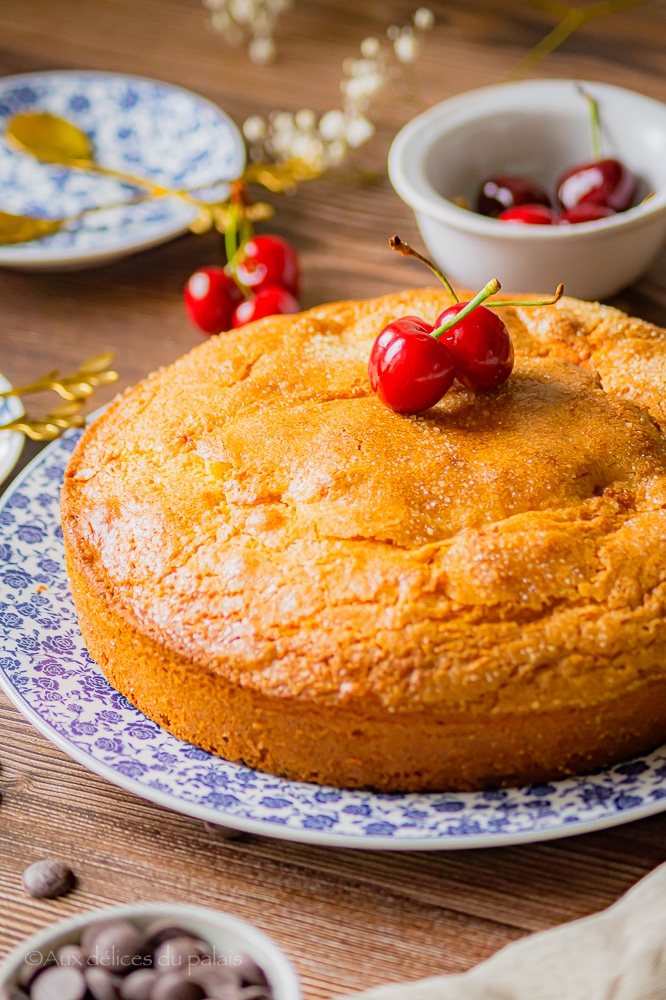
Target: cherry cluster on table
[[262, 281]]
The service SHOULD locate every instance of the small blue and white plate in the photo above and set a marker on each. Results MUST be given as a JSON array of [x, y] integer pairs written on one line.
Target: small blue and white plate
[[11, 442], [47, 673], [149, 129]]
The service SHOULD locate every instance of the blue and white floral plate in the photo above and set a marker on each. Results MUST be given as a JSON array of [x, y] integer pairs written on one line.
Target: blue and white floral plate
[[143, 127], [46, 671], [11, 442]]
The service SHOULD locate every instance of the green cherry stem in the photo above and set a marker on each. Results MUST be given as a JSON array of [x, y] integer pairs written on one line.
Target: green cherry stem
[[404, 248], [595, 122], [231, 234], [489, 289], [559, 292], [232, 249]]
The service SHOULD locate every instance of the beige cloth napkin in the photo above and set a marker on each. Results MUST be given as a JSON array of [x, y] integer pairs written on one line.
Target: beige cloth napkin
[[619, 954]]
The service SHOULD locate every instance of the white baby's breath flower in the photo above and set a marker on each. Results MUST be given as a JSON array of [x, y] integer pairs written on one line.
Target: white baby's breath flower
[[282, 121], [242, 11], [406, 47], [332, 125], [370, 48], [262, 50], [305, 119], [335, 152], [286, 136], [220, 20], [254, 128], [359, 130], [424, 19]]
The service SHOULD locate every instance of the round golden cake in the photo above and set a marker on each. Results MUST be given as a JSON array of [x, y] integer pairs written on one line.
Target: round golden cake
[[276, 567]]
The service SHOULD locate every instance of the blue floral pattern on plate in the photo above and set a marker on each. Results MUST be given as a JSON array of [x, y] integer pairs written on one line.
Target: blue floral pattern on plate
[[47, 672], [143, 127]]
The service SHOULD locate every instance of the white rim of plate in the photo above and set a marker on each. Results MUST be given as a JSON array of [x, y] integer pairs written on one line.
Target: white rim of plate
[[302, 835], [11, 442]]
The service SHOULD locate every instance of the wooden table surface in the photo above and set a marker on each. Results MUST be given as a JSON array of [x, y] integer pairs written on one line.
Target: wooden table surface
[[348, 919]]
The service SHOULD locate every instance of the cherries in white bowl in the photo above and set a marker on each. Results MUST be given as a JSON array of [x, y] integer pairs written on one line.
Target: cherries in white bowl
[[586, 192], [589, 222]]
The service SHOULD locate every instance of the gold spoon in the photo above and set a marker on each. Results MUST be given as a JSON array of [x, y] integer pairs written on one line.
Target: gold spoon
[[24, 228], [52, 139]]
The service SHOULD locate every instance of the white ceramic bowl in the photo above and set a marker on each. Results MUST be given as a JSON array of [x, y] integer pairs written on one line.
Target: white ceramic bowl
[[227, 934], [535, 129]]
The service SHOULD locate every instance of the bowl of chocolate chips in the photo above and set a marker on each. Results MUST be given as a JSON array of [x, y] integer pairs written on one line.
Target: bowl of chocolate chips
[[149, 951]]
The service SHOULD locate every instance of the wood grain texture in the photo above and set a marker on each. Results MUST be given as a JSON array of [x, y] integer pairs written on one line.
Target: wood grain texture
[[348, 919]]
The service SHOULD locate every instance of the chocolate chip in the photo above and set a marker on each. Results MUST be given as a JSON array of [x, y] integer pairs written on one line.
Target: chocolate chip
[[176, 986], [116, 946], [60, 982], [102, 985], [178, 954], [13, 993], [248, 972], [71, 954], [224, 991], [138, 985], [48, 879], [30, 971], [90, 932], [217, 981], [162, 930]]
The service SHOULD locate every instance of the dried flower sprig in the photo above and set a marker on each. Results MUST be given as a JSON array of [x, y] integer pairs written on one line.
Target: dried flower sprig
[[50, 427], [310, 144], [251, 21], [76, 387]]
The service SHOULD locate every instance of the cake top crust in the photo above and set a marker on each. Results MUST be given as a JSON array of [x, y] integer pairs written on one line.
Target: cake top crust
[[255, 508]]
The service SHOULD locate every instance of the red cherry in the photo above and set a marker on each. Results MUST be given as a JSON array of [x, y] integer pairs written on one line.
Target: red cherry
[[211, 297], [602, 182], [270, 301], [481, 347], [533, 215], [506, 191], [586, 212], [268, 260], [408, 368]]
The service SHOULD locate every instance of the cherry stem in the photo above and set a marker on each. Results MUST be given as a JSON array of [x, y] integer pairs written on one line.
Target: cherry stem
[[559, 292], [231, 235], [404, 248], [488, 290], [594, 121], [232, 250]]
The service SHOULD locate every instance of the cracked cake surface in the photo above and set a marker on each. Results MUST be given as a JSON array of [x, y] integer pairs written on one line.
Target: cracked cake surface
[[275, 566]]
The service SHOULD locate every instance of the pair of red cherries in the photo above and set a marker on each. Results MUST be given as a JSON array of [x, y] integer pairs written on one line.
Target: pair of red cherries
[[262, 281], [413, 363]]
